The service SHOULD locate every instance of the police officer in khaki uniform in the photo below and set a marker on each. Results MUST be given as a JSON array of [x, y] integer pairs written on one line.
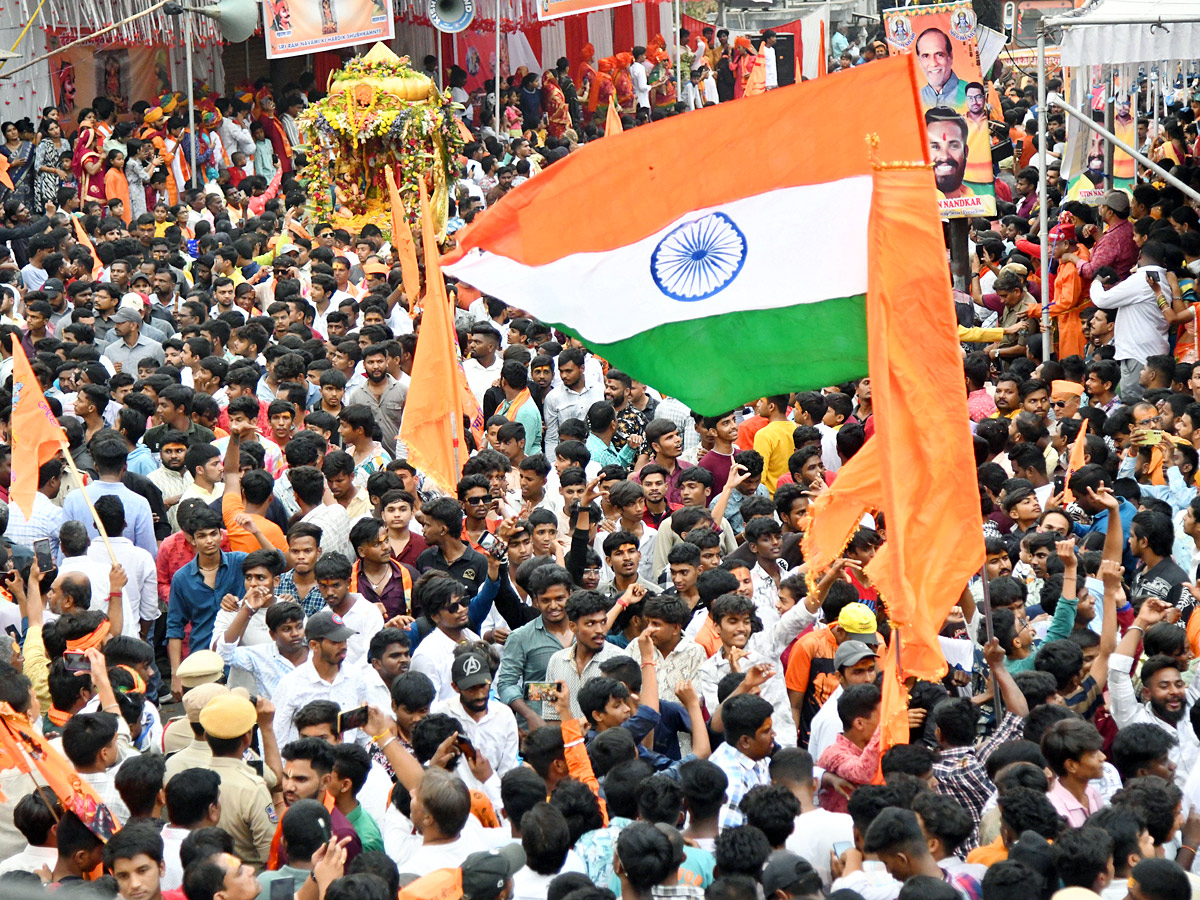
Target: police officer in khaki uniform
[[247, 811], [203, 667], [183, 737], [197, 753]]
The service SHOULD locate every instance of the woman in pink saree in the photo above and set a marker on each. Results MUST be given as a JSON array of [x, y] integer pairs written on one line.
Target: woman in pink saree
[[87, 162], [554, 105]]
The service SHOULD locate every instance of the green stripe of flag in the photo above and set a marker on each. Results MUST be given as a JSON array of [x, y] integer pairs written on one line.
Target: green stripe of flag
[[719, 363]]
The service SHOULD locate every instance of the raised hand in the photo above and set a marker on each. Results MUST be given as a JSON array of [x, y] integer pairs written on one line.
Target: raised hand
[[1112, 574], [994, 653]]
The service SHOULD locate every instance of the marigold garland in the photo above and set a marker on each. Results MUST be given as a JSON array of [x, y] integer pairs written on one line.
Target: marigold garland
[[365, 125]]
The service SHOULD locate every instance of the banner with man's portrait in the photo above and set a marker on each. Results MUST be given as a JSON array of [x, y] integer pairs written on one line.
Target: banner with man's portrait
[[954, 97], [1082, 167]]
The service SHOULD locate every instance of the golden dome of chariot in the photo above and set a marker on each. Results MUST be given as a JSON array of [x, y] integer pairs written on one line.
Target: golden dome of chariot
[[381, 70]]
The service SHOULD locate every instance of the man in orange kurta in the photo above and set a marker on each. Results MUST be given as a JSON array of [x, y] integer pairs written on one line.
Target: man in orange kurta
[[1069, 298]]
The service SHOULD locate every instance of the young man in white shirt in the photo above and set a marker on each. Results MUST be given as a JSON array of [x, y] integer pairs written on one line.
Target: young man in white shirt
[[641, 85], [333, 572], [490, 727], [193, 802], [733, 616], [768, 51], [817, 830], [36, 821], [323, 677], [447, 607]]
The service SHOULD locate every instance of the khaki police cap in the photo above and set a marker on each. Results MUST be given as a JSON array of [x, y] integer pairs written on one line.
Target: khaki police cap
[[198, 698], [229, 716], [201, 667]]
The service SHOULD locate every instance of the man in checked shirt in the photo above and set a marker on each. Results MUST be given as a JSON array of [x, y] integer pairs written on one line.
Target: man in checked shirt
[[961, 766]]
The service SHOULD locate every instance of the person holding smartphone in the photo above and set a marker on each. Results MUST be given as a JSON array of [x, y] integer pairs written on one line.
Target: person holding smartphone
[[491, 728]]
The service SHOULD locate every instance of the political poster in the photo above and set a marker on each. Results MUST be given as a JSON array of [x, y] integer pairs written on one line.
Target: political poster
[[124, 74], [296, 27], [476, 54], [1124, 172], [554, 9], [943, 37], [1082, 166]]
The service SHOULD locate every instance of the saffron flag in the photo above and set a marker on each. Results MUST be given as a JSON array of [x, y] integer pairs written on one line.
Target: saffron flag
[[23, 748], [433, 413], [82, 237], [35, 433], [402, 243], [5, 178], [612, 121], [733, 276], [1075, 461], [756, 83], [934, 537]]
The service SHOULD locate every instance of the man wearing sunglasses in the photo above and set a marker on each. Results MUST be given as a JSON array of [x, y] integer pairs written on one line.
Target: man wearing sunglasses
[[446, 605], [1064, 399]]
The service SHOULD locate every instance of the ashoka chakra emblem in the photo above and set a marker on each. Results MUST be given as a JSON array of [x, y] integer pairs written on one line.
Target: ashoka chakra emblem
[[698, 259]]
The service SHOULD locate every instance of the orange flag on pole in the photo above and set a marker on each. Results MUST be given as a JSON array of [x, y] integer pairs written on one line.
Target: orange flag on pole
[[757, 82], [934, 540], [402, 243], [463, 131], [612, 122], [35, 433], [1075, 462], [432, 425], [934, 543], [82, 237]]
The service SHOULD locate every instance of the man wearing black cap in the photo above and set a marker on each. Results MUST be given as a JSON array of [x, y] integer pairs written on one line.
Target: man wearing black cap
[[56, 296], [130, 344], [787, 876], [490, 727], [855, 663], [488, 875], [322, 677]]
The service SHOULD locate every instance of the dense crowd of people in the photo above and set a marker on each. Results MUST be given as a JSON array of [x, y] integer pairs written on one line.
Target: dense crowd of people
[[599, 666]]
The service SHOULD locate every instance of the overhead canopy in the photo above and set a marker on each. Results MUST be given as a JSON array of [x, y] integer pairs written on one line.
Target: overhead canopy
[[1128, 31]]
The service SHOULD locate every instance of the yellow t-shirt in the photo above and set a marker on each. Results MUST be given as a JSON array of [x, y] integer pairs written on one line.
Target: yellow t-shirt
[[774, 442]]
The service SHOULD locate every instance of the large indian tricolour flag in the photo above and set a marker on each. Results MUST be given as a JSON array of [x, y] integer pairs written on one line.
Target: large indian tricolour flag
[[778, 243], [718, 256]]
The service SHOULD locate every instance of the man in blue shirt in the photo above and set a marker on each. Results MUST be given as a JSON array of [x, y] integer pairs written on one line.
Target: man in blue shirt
[[1096, 499], [110, 454], [197, 588]]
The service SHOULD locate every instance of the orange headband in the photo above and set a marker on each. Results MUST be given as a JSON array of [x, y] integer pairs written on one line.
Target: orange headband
[[95, 639], [139, 684]]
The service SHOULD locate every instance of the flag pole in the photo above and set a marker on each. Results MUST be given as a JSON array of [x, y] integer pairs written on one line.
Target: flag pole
[[987, 625], [95, 515]]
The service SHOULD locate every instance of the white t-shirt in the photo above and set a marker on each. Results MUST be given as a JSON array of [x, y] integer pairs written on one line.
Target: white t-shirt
[[814, 836], [434, 657], [641, 86], [772, 72], [529, 885], [826, 726]]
